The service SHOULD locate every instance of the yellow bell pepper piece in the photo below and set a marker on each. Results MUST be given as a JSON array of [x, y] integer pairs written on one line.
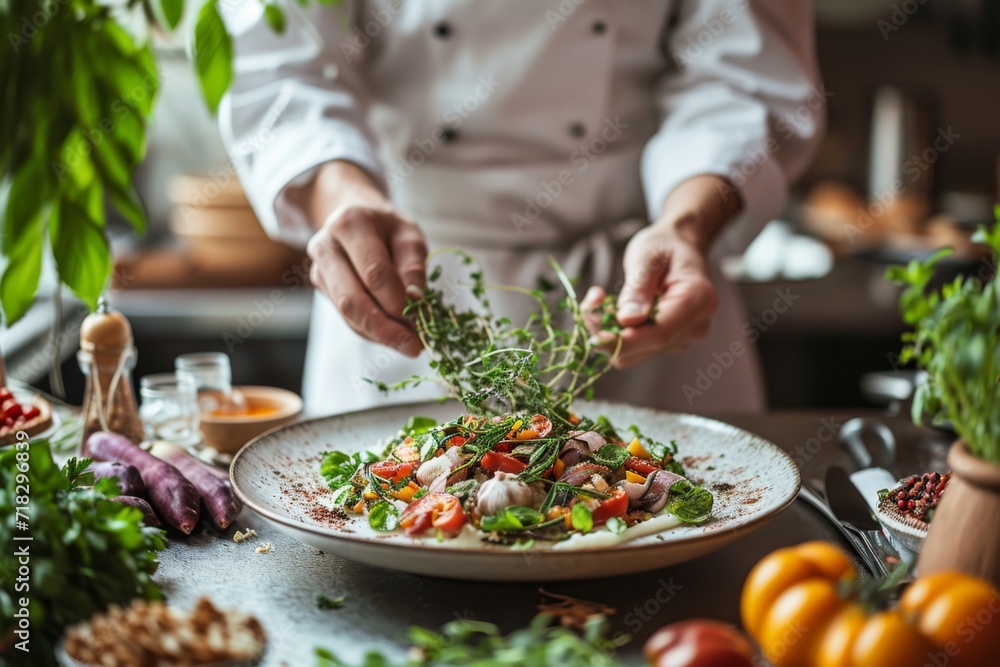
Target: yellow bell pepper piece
[[369, 495], [557, 468], [634, 477], [635, 448], [406, 493]]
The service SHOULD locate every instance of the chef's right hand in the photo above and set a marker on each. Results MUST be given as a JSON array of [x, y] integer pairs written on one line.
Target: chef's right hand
[[366, 256]]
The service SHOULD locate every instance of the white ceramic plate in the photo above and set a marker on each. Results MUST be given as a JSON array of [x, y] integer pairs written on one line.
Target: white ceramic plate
[[277, 476]]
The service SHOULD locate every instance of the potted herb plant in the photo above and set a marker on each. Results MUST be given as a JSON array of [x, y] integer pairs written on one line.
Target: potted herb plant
[[80, 78], [956, 340]]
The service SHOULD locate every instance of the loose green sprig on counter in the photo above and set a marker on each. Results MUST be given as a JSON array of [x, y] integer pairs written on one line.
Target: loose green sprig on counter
[[475, 643], [87, 551], [496, 368]]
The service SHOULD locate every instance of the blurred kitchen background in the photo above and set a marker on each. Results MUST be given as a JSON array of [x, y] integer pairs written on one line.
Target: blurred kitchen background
[[912, 90]]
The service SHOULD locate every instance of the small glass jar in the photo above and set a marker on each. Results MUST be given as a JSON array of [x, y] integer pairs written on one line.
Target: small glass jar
[[212, 375], [169, 408]]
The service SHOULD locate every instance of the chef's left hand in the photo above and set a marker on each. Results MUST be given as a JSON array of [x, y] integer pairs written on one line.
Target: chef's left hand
[[668, 298]]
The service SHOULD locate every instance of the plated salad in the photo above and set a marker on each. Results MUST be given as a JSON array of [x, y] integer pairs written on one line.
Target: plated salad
[[520, 465], [515, 478]]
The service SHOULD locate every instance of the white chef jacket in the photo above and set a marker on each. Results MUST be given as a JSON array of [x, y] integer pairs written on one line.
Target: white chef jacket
[[524, 129]]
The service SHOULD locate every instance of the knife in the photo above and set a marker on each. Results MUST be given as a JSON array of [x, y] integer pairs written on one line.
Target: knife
[[811, 493], [871, 475], [854, 514]]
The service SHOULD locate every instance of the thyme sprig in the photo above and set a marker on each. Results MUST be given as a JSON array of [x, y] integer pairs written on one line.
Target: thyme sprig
[[496, 368]]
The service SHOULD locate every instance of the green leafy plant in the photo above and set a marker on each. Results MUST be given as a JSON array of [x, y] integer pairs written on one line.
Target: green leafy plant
[[956, 339], [475, 643], [80, 79], [86, 551]]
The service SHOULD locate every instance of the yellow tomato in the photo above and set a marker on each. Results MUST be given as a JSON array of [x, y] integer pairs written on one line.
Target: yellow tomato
[[887, 640], [835, 647], [785, 568], [958, 614], [793, 627]]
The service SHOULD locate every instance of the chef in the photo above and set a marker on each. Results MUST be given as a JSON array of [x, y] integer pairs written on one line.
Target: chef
[[635, 141]]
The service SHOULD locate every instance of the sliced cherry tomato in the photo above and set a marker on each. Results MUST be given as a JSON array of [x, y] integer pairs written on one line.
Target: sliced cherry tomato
[[504, 447], [457, 440], [395, 472], [699, 644], [616, 505], [441, 511], [641, 466], [31, 412], [498, 461], [13, 411]]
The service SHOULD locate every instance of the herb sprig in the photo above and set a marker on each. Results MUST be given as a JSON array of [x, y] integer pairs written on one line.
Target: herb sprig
[[495, 368]]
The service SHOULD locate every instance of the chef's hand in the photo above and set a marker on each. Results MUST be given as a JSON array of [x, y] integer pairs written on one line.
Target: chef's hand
[[668, 298], [366, 256]]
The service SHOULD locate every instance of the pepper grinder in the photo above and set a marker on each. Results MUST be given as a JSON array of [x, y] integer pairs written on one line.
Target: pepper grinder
[[107, 356]]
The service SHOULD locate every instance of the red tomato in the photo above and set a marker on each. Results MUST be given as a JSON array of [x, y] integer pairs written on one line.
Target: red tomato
[[441, 511], [616, 505], [5, 395], [699, 644], [457, 440], [497, 461], [395, 472], [641, 466], [13, 411], [31, 412]]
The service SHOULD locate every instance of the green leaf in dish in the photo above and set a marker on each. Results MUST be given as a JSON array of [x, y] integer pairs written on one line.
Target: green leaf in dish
[[383, 516], [582, 518], [690, 503]]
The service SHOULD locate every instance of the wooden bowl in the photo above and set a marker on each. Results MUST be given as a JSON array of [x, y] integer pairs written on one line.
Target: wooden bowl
[[228, 433]]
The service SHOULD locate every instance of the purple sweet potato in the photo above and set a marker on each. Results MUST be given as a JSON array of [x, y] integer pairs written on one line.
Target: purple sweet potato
[[129, 480], [170, 493], [217, 494], [148, 515]]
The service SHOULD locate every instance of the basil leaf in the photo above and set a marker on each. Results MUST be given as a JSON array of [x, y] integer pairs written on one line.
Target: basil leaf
[[338, 467], [690, 503], [611, 456], [213, 55], [79, 247], [419, 425], [582, 518], [616, 525], [383, 516], [275, 17], [511, 519]]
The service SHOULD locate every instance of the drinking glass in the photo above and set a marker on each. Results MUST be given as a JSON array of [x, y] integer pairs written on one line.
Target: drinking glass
[[169, 408], [212, 375]]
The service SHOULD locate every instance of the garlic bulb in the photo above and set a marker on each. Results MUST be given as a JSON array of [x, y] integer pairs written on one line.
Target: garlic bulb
[[432, 468], [502, 490]]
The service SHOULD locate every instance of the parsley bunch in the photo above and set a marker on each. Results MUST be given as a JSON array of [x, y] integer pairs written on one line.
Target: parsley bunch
[[86, 551], [956, 339]]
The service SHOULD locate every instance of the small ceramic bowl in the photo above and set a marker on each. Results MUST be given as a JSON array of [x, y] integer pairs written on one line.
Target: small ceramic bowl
[[228, 433], [908, 531]]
